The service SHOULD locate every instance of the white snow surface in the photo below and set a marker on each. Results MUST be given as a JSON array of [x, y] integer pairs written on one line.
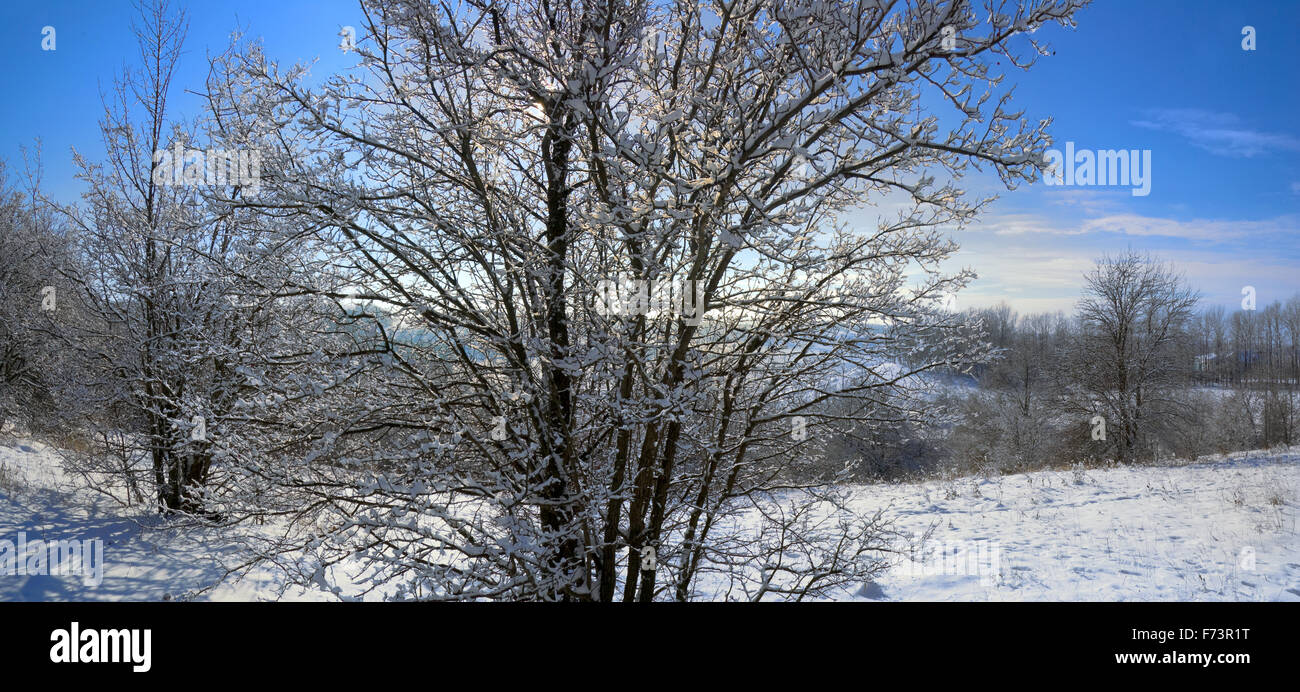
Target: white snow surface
[[1222, 528]]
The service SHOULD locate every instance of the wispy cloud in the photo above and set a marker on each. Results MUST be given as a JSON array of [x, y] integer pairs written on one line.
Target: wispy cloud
[[1137, 225], [1022, 224], [1222, 134], [1039, 278], [1212, 230], [1099, 201]]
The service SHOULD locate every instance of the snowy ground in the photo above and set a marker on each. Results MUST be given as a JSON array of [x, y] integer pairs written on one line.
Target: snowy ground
[[1218, 529], [1221, 529], [144, 560]]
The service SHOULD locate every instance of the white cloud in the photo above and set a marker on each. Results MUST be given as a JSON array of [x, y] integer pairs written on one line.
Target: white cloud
[[1137, 225], [1036, 264], [1222, 134]]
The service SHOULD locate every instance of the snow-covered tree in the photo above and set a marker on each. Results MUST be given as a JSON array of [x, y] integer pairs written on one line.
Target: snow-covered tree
[[31, 250], [507, 187], [165, 277], [1134, 313]]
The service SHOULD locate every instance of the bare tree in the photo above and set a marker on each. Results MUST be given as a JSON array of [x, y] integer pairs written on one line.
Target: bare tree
[[1213, 356], [1133, 312], [494, 170], [31, 250], [164, 330]]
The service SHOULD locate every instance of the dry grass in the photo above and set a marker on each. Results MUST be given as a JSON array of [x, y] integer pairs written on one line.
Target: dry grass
[[10, 483]]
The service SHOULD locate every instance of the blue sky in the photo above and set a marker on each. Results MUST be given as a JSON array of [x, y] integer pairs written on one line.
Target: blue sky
[[1166, 76], [1220, 123]]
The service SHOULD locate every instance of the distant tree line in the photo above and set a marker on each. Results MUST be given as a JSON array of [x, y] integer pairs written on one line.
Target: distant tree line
[[1136, 374]]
